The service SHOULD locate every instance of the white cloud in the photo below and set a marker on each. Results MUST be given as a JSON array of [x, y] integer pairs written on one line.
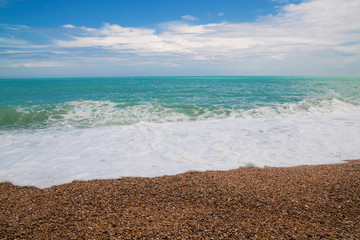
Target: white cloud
[[68, 26], [189, 17], [120, 39], [178, 38]]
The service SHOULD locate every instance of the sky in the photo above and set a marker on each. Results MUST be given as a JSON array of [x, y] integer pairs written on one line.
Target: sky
[[111, 38]]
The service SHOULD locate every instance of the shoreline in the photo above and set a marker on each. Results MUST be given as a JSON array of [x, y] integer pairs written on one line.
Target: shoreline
[[310, 201]]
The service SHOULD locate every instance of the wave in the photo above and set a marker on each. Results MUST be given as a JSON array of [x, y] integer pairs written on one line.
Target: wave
[[89, 113]]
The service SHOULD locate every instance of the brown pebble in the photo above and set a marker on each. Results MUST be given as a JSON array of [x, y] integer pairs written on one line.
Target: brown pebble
[[305, 202]]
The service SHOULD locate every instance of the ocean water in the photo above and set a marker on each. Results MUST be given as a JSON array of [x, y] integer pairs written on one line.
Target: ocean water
[[54, 131]]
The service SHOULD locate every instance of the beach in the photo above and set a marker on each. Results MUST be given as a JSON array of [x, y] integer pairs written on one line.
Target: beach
[[180, 119], [302, 202], [180, 157]]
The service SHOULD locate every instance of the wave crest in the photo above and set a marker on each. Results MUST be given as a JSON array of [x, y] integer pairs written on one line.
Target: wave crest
[[88, 113]]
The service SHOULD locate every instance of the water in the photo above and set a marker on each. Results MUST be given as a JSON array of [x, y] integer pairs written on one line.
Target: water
[[54, 131]]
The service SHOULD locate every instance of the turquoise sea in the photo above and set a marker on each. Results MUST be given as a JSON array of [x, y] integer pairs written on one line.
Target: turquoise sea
[[54, 131]]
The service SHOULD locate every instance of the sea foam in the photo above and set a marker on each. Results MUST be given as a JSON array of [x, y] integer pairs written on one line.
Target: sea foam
[[288, 135]]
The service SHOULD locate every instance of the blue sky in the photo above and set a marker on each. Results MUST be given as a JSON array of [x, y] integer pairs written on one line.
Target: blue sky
[[68, 38], [130, 13]]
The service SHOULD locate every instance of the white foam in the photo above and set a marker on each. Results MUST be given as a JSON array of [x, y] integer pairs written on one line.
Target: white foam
[[60, 155]]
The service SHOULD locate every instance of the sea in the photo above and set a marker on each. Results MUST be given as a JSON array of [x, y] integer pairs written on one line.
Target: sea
[[54, 131]]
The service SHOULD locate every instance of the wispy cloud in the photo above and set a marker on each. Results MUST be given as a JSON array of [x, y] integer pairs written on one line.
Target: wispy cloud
[[36, 65], [280, 1], [6, 3], [68, 26], [189, 17], [11, 41]]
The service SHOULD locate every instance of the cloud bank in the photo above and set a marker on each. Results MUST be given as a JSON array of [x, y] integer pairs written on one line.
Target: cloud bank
[[319, 37]]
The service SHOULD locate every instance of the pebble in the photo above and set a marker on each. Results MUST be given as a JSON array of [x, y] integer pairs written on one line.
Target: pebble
[[305, 202]]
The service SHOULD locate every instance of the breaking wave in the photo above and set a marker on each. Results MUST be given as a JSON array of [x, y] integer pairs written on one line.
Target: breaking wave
[[89, 113]]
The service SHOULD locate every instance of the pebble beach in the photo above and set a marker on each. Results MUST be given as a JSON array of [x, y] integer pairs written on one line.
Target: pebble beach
[[303, 202]]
